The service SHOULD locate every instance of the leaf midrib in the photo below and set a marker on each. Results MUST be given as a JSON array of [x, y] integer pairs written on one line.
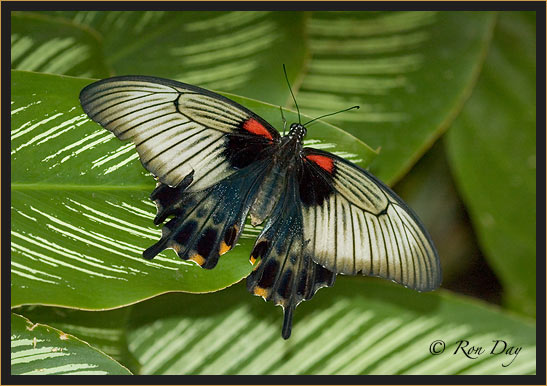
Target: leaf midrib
[[78, 187]]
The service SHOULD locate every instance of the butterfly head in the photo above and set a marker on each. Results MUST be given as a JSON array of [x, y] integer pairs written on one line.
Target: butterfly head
[[297, 131]]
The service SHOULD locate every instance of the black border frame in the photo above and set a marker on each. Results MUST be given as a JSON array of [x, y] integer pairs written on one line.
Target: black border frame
[[538, 6]]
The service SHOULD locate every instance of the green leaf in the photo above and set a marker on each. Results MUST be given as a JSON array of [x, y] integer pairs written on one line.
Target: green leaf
[[104, 331], [81, 216], [229, 51], [492, 148], [360, 326], [409, 71], [38, 349], [55, 45]]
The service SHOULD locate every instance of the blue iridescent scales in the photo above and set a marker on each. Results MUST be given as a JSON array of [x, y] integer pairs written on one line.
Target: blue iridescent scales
[[217, 162]]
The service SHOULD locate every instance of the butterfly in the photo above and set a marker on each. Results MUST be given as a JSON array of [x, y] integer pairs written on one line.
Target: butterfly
[[216, 163]]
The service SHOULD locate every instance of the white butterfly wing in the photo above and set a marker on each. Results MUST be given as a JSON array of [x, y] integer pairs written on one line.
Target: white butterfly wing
[[354, 224], [178, 128]]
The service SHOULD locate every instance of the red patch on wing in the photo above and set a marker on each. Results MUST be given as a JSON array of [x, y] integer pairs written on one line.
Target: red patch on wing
[[255, 127], [322, 161]]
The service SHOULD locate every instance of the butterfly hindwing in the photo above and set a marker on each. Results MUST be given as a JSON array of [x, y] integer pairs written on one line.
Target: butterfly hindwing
[[357, 225], [206, 223], [179, 128], [283, 272]]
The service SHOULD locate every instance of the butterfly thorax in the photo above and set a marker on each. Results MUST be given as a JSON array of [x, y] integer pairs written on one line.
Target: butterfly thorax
[[274, 181], [290, 146], [297, 132]]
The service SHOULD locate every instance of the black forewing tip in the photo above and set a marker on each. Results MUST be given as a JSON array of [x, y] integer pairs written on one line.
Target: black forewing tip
[[287, 322]]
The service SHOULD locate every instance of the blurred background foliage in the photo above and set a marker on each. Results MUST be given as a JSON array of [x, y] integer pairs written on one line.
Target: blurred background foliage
[[447, 103]]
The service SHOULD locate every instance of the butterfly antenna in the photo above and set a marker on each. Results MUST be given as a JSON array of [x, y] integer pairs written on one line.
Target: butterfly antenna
[[284, 120], [293, 98], [328, 115]]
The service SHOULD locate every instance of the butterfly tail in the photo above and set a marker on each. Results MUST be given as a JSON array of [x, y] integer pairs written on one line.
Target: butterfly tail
[[286, 279], [287, 321]]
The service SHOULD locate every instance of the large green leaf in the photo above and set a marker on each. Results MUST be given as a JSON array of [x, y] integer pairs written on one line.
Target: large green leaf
[[229, 51], [38, 349], [55, 45], [492, 148], [409, 71], [105, 330], [360, 326], [80, 210]]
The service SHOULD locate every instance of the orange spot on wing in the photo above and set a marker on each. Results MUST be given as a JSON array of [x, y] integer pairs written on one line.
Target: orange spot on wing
[[198, 259], [255, 127], [255, 266], [261, 292], [223, 248], [322, 161]]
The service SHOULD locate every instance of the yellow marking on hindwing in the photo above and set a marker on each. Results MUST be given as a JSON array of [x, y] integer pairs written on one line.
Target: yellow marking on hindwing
[[176, 247], [198, 259], [256, 265], [252, 260], [223, 248], [261, 292]]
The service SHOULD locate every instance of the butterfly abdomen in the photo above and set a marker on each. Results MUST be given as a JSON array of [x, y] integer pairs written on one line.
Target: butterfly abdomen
[[272, 186]]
